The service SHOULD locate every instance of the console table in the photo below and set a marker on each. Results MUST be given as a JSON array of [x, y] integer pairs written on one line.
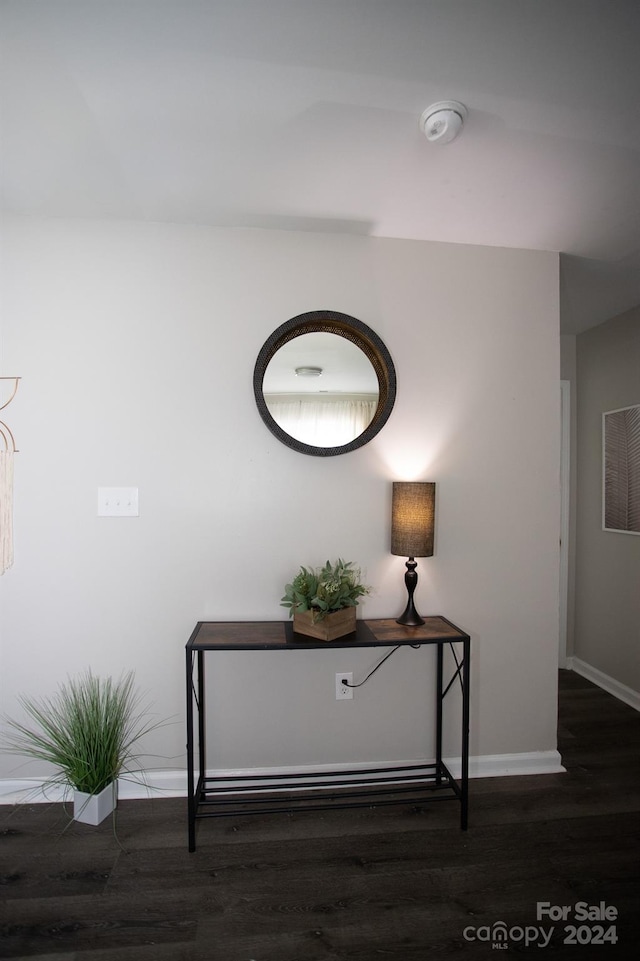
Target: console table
[[389, 784]]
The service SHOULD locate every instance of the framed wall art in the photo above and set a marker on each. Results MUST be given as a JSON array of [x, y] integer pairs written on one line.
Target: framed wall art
[[621, 470]]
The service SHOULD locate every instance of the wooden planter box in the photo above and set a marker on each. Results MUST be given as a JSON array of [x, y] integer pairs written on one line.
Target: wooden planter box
[[334, 625]]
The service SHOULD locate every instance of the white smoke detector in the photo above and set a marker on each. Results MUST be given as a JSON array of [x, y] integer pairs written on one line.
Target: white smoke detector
[[443, 121]]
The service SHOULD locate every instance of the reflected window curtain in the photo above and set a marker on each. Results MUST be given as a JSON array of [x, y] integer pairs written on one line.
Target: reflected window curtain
[[322, 422]]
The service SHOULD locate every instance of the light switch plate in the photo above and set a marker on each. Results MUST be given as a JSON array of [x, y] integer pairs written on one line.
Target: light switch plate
[[117, 502]]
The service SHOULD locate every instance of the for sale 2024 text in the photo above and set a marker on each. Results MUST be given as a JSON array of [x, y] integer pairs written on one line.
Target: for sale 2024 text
[[591, 923]]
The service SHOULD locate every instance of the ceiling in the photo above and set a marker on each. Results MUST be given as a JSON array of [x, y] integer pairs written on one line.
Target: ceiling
[[343, 365], [303, 114]]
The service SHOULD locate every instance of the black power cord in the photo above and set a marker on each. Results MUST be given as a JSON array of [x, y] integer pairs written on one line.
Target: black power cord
[[385, 658]]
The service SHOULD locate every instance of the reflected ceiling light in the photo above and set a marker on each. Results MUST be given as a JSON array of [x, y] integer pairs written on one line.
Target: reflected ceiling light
[[443, 121], [308, 371]]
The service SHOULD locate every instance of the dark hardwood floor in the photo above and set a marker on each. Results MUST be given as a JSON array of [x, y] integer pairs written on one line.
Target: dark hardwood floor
[[394, 883]]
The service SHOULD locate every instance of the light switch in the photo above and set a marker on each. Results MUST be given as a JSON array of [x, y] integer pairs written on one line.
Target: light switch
[[117, 502]]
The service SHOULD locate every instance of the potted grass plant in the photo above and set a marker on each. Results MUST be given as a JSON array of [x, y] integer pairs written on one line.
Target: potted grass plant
[[323, 601], [88, 730]]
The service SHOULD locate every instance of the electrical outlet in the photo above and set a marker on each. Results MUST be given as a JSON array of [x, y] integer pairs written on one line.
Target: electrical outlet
[[344, 693]]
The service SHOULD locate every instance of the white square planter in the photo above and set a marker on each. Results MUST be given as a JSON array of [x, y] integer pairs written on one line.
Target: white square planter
[[94, 808]]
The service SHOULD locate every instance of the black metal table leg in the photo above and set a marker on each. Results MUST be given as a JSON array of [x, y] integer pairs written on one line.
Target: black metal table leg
[[439, 699], [191, 799], [464, 774], [202, 754]]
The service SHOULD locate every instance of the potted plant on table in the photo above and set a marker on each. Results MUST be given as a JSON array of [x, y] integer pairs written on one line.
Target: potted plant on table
[[323, 601], [88, 731]]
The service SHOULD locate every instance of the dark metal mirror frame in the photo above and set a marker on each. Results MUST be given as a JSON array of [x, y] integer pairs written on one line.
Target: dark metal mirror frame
[[330, 322]]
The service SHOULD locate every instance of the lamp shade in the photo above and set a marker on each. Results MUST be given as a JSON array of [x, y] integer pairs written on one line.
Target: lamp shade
[[412, 518]]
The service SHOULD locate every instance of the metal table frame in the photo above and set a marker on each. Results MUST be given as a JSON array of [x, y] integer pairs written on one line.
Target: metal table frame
[[390, 784]]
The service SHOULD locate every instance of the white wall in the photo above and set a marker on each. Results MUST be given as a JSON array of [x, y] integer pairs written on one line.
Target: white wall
[[136, 344], [607, 617], [568, 373]]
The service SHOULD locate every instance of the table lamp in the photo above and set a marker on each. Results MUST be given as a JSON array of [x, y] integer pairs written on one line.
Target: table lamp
[[412, 525]]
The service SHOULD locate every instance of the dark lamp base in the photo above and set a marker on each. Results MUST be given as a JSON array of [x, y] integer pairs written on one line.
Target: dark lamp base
[[410, 618]]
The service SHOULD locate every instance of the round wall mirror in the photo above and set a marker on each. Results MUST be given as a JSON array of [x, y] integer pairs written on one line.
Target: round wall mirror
[[324, 383]]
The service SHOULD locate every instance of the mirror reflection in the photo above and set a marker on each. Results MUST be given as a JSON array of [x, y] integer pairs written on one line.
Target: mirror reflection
[[321, 389], [324, 383]]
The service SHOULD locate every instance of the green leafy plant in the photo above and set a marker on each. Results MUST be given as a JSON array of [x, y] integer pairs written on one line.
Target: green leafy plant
[[88, 730], [326, 589]]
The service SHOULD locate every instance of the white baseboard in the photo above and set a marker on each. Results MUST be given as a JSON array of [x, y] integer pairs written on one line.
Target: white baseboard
[[151, 784], [608, 684], [174, 783], [510, 765]]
